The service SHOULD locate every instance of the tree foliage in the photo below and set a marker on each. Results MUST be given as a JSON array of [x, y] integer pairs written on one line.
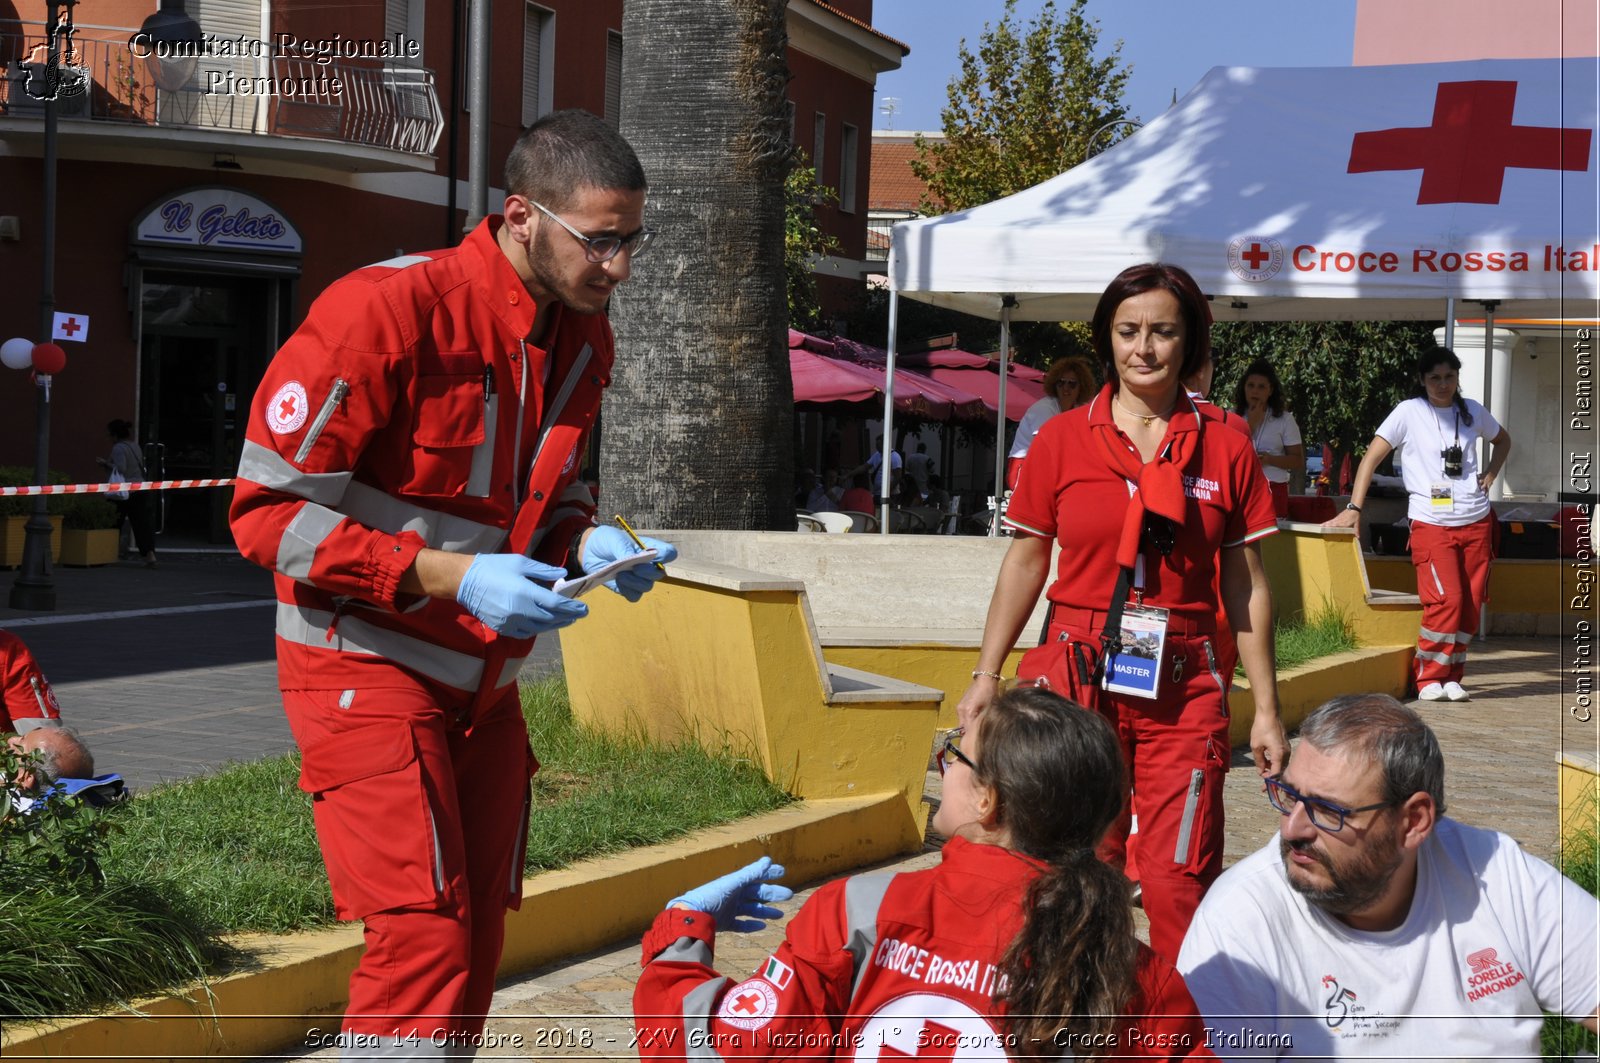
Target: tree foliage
[[1029, 104], [1340, 378], [804, 241]]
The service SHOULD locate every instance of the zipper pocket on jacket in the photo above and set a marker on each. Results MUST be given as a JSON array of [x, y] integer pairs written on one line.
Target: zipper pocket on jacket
[[336, 395], [38, 695]]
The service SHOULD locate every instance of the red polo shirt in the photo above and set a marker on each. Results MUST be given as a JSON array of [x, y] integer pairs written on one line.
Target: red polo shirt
[[1069, 491]]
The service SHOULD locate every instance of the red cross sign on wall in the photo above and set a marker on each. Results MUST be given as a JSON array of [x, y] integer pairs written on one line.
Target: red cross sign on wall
[[1464, 154]]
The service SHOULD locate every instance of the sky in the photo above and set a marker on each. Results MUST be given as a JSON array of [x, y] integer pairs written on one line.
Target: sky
[[1170, 44]]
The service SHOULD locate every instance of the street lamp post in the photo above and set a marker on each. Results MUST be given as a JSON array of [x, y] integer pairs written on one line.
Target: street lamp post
[[35, 588]]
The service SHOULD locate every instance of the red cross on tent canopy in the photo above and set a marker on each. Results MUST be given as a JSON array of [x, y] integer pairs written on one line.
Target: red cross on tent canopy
[[1464, 155]]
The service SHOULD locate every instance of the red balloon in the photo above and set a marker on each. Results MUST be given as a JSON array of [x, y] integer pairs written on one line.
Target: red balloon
[[49, 358]]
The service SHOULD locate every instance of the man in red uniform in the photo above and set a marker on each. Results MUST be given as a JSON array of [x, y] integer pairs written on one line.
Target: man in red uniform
[[410, 475], [26, 700]]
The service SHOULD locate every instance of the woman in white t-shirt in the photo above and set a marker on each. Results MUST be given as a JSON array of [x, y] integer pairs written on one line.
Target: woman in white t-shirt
[[1452, 527], [1259, 400], [1068, 382]]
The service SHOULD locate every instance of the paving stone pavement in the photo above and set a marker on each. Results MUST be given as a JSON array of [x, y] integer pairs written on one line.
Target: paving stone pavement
[[1499, 752]]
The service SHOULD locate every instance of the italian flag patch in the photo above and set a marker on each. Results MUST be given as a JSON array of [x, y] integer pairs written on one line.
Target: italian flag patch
[[777, 972]]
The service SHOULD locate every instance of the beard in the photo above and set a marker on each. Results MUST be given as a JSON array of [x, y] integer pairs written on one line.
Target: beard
[[547, 276], [1353, 885]]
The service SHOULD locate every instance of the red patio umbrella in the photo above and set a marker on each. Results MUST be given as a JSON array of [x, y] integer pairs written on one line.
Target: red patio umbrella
[[820, 380], [971, 376]]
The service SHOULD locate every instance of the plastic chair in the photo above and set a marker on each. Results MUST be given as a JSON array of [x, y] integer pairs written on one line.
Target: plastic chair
[[861, 522], [807, 522], [836, 523], [952, 517]]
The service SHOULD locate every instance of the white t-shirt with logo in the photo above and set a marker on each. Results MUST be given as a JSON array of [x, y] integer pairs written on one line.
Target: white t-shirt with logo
[[1493, 936], [1275, 435], [1424, 430]]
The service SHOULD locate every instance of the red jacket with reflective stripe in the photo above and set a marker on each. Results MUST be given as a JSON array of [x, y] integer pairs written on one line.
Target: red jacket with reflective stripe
[[407, 412], [898, 966], [26, 700]]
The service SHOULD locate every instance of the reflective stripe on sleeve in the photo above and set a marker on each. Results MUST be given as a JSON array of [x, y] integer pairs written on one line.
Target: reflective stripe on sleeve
[[697, 1019], [553, 414], [267, 467], [314, 628], [297, 550], [863, 897], [441, 531]]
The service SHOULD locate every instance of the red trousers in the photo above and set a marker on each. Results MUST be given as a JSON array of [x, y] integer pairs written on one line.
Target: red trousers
[[1176, 749], [1453, 583], [1280, 497], [423, 824]]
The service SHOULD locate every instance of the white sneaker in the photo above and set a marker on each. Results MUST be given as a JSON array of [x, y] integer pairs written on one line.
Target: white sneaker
[[1454, 692], [1432, 692]]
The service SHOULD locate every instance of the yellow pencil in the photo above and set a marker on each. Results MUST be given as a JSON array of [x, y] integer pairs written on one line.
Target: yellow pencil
[[622, 522]]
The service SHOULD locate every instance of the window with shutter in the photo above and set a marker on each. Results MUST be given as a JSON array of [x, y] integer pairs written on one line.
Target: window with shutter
[[538, 37], [847, 169], [613, 78], [228, 20]]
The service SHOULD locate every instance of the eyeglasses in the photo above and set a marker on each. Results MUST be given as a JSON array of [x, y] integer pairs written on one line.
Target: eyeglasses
[[1324, 815], [949, 748], [603, 248]]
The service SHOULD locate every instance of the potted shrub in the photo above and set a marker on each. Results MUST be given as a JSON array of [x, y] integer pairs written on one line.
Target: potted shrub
[[15, 510], [91, 531]]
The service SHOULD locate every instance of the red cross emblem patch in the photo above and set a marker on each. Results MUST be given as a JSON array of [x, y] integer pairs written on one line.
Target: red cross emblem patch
[[1255, 258], [286, 411], [749, 1005]]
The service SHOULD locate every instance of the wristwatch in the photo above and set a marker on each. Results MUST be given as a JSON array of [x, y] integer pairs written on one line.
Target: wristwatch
[[1352, 505]]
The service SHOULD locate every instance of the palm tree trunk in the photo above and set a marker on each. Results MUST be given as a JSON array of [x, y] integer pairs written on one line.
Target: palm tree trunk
[[698, 422]]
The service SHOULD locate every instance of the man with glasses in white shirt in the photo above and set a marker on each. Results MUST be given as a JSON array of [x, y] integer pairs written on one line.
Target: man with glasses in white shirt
[[1373, 926]]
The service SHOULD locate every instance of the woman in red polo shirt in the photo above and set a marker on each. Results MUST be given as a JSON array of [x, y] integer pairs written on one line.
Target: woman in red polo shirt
[[1144, 491]]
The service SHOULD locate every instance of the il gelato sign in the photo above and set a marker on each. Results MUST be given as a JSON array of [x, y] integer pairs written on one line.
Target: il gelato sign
[[217, 219]]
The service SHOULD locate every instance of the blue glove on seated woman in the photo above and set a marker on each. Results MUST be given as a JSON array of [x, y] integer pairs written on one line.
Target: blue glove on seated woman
[[739, 900]]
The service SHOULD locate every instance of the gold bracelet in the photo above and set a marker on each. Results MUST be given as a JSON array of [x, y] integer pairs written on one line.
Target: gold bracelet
[[976, 672]]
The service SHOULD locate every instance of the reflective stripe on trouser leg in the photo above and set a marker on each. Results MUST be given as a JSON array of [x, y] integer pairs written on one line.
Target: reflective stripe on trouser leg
[[492, 765], [1167, 742], [1452, 581]]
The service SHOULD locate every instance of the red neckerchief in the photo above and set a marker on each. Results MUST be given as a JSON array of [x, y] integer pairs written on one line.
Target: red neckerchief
[[1159, 482]]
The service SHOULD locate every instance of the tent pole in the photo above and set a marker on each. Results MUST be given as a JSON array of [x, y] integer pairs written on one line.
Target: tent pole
[[1493, 401], [1450, 323], [885, 471], [1007, 302]]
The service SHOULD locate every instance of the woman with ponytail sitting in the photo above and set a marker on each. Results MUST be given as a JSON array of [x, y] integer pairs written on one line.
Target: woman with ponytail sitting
[[1019, 944]]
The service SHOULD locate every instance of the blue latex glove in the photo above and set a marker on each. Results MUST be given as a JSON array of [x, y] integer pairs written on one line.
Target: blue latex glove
[[499, 589], [738, 901], [607, 544]]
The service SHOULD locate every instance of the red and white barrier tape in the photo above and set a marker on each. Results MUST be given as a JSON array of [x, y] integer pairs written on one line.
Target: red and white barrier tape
[[96, 489]]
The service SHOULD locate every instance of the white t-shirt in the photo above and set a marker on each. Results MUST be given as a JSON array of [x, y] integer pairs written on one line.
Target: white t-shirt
[[1424, 430], [1275, 436], [1034, 419], [1493, 936]]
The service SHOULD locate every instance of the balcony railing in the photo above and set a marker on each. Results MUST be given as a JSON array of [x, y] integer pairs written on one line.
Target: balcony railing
[[353, 101]]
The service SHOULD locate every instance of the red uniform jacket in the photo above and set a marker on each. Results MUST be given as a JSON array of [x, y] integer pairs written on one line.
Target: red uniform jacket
[[26, 700], [885, 966], [407, 411]]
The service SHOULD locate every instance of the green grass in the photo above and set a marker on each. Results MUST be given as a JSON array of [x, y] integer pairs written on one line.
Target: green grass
[[1323, 633], [239, 850], [1580, 861]]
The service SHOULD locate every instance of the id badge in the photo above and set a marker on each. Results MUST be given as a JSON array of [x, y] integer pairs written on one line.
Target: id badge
[[1442, 497], [1136, 668]]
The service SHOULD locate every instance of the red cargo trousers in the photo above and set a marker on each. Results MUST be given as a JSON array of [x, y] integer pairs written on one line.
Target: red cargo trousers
[[423, 825], [1176, 749]]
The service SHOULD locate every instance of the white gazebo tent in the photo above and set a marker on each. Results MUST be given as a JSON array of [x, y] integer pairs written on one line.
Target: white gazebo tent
[[1353, 193]]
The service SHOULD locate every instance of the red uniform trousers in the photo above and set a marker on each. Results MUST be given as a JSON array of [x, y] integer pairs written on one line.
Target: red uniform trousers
[[1453, 583], [423, 826], [1176, 749], [1280, 497]]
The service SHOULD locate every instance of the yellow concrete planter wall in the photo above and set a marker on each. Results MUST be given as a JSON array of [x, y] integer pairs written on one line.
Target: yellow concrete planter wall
[[1526, 596], [13, 532], [731, 658], [81, 547]]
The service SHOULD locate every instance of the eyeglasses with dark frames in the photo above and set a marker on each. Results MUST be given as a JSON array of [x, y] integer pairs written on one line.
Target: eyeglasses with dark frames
[[1324, 815], [603, 248], [949, 749]]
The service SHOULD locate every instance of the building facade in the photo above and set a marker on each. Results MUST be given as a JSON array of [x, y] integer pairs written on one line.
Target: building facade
[[205, 200]]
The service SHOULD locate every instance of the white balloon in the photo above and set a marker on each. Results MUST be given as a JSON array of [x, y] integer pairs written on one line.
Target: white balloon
[[17, 353]]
